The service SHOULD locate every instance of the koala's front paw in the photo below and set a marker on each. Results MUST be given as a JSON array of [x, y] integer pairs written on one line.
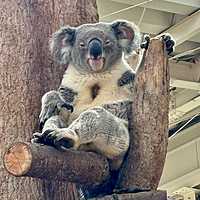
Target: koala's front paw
[[169, 42], [50, 108], [167, 39], [145, 44]]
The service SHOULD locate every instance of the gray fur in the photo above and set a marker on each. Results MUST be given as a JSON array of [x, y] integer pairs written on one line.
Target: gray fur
[[102, 129], [61, 39], [52, 102], [126, 78], [98, 84], [67, 93], [124, 36], [120, 109]]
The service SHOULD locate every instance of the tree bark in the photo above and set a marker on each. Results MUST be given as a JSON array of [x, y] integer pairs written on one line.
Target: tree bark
[[27, 71], [41, 161], [149, 123]]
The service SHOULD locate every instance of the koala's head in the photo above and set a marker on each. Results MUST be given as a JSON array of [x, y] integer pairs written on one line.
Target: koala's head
[[95, 47]]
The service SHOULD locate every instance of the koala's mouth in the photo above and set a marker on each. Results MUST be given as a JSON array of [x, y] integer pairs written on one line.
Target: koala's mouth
[[97, 63]]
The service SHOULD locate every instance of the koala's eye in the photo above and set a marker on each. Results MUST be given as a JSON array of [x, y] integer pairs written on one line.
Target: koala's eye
[[82, 45], [107, 42]]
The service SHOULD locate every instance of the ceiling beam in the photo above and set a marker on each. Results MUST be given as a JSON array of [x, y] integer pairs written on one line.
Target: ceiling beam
[[194, 3], [184, 84], [185, 29], [154, 21], [182, 7], [189, 105]]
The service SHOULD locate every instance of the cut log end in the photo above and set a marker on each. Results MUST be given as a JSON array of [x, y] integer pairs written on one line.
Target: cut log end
[[17, 159]]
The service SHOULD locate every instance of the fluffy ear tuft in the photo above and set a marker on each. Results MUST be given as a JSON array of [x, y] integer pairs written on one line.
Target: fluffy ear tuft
[[128, 35], [61, 43]]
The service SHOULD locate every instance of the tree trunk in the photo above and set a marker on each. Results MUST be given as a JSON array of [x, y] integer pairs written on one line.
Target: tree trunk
[[149, 123], [27, 71]]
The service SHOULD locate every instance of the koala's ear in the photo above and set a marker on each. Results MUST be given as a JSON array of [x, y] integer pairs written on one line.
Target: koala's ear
[[61, 44], [128, 35]]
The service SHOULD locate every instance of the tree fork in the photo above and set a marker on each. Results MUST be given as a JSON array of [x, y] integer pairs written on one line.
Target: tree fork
[[144, 164], [42, 161]]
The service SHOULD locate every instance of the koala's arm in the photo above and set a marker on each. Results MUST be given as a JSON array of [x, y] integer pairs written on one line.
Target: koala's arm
[[129, 77], [54, 101]]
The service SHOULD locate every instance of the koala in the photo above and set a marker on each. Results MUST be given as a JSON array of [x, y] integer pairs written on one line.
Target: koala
[[90, 110]]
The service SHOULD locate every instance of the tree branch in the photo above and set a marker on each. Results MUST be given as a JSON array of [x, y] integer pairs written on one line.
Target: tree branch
[[37, 160], [149, 122]]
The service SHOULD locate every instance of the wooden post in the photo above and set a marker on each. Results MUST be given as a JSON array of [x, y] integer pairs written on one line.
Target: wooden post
[[41, 161]]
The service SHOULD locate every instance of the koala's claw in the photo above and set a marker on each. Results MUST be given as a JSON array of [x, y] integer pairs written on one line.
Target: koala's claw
[[68, 106], [45, 138], [37, 138], [49, 137], [167, 39], [56, 138], [169, 43], [50, 109], [146, 43]]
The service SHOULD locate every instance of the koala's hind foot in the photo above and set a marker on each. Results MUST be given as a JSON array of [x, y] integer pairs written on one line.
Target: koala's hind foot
[[62, 138], [50, 130]]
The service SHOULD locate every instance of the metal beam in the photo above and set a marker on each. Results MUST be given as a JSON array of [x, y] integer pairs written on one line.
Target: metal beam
[[189, 106], [189, 179], [185, 29], [184, 84], [194, 3], [179, 112], [110, 11], [182, 7]]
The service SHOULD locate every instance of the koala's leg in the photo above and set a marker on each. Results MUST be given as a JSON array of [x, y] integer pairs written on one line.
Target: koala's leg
[[54, 122], [107, 133]]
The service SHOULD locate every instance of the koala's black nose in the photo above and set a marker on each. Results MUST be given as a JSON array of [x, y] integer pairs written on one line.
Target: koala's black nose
[[95, 48]]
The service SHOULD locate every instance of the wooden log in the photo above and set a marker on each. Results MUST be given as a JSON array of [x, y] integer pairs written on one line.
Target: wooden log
[[37, 160], [149, 123], [151, 195]]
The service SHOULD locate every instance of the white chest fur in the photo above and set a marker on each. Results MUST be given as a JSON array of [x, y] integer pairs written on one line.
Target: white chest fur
[[95, 89]]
